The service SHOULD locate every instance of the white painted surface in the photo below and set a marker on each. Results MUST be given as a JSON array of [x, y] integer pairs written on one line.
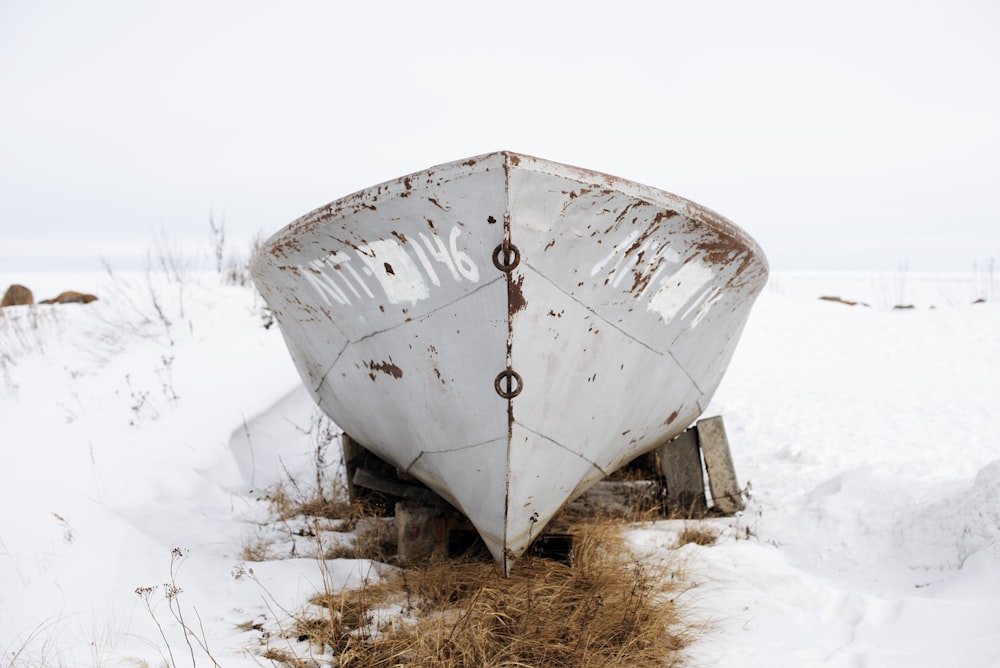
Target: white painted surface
[[399, 321]]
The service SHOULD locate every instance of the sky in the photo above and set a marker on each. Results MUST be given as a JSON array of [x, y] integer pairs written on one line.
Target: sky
[[855, 135]]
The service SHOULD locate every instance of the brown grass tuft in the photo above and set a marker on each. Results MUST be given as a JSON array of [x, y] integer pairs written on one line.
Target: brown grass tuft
[[697, 534], [374, 538], [286, 504], [255, 549], [284, 658], [608, 609]]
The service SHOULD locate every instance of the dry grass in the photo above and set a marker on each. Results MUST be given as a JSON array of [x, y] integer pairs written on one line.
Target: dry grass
[[698, 534], [603, 608], [255, 549], [374, 539], [288, 503], [606, 609], [23, 330], [284, 658], [320, 514]]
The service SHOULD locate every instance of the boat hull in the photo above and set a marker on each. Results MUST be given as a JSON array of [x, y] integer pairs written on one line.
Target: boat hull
[[510, 330]]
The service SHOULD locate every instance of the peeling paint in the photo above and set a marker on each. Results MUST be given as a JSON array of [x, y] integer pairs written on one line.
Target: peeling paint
[[515, 296], [610, 273], [387, 368]]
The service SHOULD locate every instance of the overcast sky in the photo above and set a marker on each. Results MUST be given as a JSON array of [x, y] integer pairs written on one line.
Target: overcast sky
[[841, 135]]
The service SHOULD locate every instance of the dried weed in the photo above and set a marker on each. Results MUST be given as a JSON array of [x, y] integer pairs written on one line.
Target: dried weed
[[698, 534], [606, 609]]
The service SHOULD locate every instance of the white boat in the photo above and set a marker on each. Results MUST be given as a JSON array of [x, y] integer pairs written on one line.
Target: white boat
[[510, 330]]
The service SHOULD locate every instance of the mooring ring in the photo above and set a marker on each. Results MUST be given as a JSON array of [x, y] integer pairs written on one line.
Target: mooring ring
[[511, 257], [514, 384]]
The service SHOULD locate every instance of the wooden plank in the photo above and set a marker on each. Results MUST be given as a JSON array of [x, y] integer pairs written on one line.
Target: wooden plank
[[680, 465], [422, 532], [396, 488], [726, 494], [353, 452]]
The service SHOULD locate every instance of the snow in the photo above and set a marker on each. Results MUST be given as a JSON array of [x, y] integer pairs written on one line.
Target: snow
[[139, 433]]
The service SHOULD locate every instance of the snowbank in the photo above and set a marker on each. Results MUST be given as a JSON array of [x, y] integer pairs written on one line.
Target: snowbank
[[155, 418]]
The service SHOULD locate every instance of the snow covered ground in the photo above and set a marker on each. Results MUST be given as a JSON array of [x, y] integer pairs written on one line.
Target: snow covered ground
[[137, 434]]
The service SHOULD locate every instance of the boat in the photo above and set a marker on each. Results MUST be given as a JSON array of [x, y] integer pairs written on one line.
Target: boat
[[509, 330]]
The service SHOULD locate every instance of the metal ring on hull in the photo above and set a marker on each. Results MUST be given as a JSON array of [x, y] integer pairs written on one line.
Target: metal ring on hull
[[511, 257], [513, 386]]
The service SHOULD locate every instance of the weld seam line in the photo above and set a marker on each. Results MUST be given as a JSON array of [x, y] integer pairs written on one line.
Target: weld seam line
[[405, 322], [557, 443], [429, 313], [617, 328], [463, 447], [330, 368]]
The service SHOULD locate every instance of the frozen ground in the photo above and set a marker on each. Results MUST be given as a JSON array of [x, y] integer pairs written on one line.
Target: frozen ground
[[870, 439]]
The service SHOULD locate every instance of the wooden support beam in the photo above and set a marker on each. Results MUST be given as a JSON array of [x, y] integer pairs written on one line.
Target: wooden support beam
[[422, 532], [726, 494], [396, 488], [680, 465]]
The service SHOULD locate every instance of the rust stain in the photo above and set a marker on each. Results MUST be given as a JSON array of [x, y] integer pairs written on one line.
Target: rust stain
[[652, 227], [388, 268], [642, 279], [351, 244], [436, 203], [387, 368], [673, 416], [430, 223], [549, 245], [289, 244], [400, 236], [573, 194], [718, 250], [515, 296], [725, 250], [491, 220], [624, 212]]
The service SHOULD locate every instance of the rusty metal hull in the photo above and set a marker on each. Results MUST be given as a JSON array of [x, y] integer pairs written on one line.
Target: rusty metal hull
[[510, 330]]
